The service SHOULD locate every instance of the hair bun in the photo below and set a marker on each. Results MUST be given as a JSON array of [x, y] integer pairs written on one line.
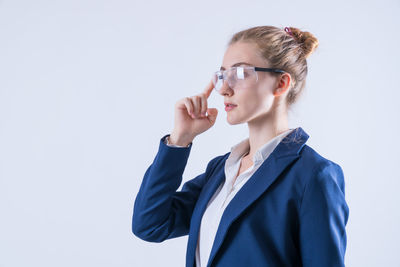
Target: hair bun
[[306, 39]]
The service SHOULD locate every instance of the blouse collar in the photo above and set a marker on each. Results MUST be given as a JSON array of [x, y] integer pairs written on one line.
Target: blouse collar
[[243, 147]]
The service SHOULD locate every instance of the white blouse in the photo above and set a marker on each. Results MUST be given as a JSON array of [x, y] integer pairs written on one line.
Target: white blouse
[[227, 190]]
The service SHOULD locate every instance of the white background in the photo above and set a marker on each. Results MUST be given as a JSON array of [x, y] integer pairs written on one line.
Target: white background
[[87, 89]]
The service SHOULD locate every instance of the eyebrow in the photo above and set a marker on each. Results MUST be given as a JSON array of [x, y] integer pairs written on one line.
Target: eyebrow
[[237, 64]]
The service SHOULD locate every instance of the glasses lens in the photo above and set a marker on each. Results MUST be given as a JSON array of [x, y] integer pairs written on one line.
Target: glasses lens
[[218, 80], [244, 77], [237, 77]]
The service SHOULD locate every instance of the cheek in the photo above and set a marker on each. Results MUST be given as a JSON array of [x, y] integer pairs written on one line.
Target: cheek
[[249, 100], [264, 95], [255, 98], [259, 102]]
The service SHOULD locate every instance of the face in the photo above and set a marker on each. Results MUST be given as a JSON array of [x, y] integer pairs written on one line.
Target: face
[[255, 100]]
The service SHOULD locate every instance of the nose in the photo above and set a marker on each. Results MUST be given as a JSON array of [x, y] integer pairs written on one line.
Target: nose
[[225, 89]]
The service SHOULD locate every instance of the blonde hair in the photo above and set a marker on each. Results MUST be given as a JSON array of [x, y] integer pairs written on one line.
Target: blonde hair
[[283, 51]]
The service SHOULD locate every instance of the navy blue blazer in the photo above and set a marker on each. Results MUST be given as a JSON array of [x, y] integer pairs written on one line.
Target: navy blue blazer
[[291, 212]]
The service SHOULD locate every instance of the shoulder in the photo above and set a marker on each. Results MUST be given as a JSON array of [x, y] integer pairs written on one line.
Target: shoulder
[[309, 156], [319, 169]]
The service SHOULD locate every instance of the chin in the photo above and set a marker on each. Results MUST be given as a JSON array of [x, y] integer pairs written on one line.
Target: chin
[[232, 121]]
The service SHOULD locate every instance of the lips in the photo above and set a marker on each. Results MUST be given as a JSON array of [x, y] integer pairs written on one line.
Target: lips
[[230, 105]]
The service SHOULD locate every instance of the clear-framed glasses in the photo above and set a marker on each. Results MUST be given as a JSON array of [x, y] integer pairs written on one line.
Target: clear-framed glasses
[[239, 77]]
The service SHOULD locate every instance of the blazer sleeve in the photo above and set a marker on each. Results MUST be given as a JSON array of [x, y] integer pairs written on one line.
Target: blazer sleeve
[[323, 217], [160, 211]]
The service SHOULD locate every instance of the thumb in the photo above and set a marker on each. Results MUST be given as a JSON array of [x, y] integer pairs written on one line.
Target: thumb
[[212, 114]]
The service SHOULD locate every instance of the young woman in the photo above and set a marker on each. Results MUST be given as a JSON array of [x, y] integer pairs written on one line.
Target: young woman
[[272, 200]]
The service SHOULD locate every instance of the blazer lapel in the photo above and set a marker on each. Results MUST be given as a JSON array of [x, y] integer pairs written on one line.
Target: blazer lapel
[[285, 153], [207, 192]]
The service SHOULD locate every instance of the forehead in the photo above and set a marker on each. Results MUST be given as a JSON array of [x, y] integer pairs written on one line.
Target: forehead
[[242, 53]]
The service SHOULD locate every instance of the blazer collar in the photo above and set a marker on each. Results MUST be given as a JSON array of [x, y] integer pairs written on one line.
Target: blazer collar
[[284, 153]]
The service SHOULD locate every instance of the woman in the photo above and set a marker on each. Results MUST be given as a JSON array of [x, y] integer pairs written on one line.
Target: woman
[[272, 200]]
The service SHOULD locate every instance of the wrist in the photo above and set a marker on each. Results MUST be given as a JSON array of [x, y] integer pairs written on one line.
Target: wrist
[[179, 140]]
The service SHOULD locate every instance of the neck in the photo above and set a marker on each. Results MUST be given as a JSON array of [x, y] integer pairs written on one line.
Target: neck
[[263, 128]]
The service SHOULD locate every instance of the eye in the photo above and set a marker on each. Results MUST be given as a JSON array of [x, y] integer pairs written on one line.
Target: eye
[[248, 72]]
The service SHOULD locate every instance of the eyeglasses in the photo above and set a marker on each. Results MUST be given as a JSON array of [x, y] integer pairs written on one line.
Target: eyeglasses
[[239, 77]]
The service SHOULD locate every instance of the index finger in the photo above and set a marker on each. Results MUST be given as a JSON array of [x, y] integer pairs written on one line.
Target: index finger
[[209, 89]]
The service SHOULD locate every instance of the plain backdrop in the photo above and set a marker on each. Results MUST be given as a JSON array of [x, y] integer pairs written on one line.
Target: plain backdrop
[[87, 89]]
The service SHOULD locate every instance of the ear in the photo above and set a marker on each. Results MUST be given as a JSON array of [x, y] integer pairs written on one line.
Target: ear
[[282, 84]]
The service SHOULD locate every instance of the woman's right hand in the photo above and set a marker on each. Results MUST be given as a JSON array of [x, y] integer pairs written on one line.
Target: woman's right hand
[[189, 121]]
